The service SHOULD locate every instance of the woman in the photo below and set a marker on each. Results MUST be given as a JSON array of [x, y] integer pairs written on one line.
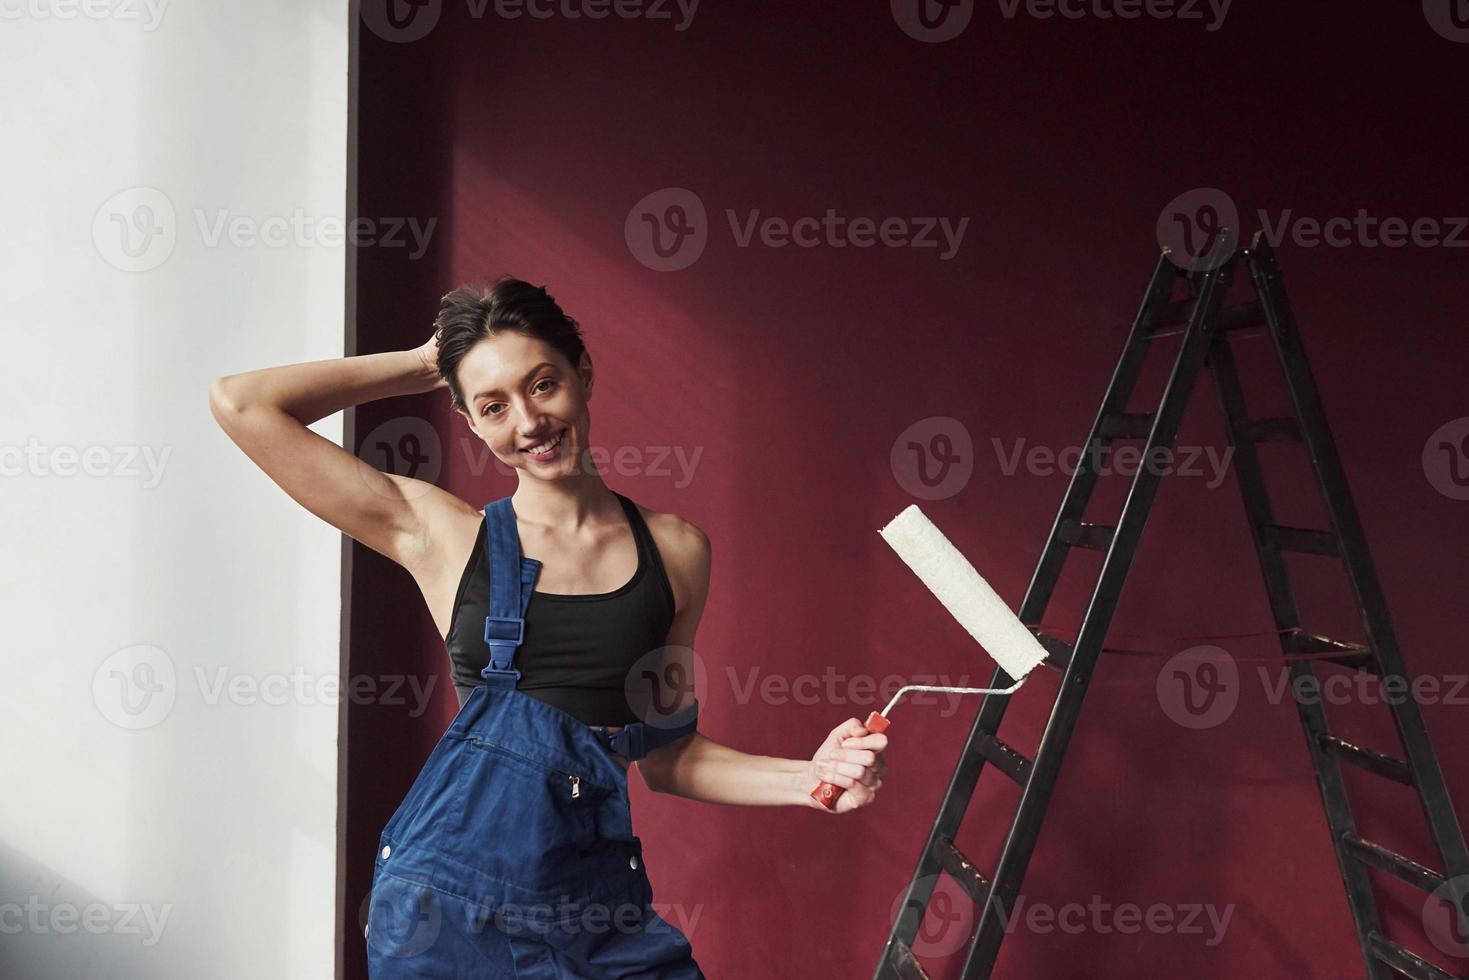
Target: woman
[[513, 854]]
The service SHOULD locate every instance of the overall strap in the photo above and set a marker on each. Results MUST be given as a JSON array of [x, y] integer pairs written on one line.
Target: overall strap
[[509, 594], [638, 739]]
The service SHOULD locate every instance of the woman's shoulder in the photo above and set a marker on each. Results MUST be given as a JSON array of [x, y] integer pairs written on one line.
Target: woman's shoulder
[[683, 546]]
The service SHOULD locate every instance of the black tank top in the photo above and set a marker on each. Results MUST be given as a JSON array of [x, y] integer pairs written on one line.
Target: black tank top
[[578, 649]]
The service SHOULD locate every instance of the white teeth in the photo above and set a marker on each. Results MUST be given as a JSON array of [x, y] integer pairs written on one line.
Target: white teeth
[[546, 447]]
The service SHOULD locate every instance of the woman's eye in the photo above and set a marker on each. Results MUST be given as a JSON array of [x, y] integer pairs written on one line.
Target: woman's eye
[[546, 381], [487, 410]]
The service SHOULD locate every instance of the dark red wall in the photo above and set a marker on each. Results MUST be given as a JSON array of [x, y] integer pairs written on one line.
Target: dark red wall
[[792, 371]]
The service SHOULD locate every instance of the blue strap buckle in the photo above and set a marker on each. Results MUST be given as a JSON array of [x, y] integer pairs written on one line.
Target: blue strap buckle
[[515, 636]]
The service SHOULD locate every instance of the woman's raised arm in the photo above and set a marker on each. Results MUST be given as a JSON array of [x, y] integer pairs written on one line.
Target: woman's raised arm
[[266, 414]]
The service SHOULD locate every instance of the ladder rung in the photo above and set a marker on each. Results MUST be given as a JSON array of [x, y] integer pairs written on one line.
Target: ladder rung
[[1240, 317], [1268, 430], [962, 870], [1353, 655], [905, 964], [1005, 758], [1127, 425], [1401, 960], [1058, 650], [1302, 641], [1393, 863], [1395, 769], [1095, 536], [1304, 540]]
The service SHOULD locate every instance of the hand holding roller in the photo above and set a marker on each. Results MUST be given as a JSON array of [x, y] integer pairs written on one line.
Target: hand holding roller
[[966, 595]]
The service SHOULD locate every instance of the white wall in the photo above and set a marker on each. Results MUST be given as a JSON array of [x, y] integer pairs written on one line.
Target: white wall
[[150, 824]]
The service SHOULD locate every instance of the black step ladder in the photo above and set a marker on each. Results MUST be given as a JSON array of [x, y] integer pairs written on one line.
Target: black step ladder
[[1205, 324]]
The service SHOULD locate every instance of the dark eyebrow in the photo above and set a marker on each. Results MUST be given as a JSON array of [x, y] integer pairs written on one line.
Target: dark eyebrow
[[497, 391]]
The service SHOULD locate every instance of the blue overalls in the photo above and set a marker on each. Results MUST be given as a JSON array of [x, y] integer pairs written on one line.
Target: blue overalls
[[513, 856]]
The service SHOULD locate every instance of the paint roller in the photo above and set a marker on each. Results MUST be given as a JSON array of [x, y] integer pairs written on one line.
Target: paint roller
[[967, 596]]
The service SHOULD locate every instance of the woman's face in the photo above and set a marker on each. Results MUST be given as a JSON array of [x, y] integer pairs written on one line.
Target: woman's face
[[519, 394]]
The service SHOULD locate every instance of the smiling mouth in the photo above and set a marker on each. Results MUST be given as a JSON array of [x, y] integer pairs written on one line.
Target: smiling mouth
[[546, 447]]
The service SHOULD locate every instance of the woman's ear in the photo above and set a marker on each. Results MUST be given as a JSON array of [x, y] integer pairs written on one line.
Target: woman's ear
[[467, 419], [584, 368]]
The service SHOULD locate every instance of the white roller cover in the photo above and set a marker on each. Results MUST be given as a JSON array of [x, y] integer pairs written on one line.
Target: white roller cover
[[948, 575]]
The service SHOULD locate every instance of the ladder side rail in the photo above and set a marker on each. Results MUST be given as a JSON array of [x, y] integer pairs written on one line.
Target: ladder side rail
[[1025, 829], [1438, 807], [1330, 783]]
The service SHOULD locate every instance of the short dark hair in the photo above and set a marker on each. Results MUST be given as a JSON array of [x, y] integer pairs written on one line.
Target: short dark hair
[[468, 315]]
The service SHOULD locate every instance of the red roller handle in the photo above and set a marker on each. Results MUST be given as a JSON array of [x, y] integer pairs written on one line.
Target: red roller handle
[[827, 794]]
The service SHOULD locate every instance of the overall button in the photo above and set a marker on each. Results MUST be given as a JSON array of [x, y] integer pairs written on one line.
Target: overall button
[[632, 862], [386, 851]]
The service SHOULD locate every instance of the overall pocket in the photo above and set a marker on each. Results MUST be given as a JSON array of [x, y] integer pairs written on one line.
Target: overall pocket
[[528, 812]]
